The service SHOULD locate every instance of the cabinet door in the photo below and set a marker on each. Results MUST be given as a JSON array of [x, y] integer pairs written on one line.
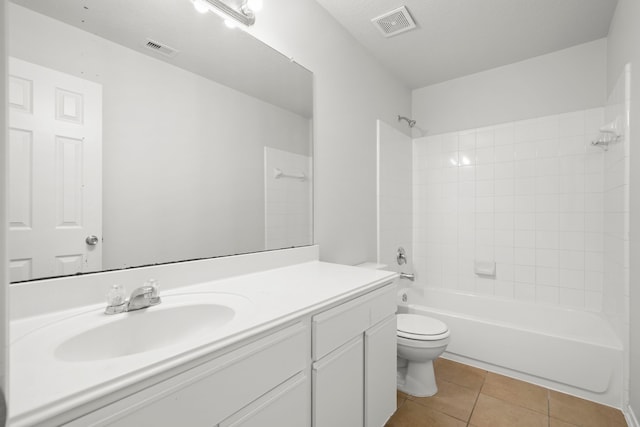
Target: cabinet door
[[337, 387], [380, 372], [285, 406], [213, 391]]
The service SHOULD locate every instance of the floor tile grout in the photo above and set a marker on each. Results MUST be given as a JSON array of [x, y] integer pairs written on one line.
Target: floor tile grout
[[484, 379], [455, 377]]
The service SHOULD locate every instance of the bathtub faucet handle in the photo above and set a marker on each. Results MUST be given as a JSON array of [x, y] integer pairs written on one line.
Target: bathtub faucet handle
[[409, 276], [401, 256]]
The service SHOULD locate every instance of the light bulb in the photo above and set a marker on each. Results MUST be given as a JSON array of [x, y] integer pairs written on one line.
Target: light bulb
[[255, 5], [200, 6]]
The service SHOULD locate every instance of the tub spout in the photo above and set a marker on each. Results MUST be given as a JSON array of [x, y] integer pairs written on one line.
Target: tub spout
[[409, 276]]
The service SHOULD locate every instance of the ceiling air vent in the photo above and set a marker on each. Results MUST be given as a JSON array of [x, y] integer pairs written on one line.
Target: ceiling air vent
[[395, 22], [160, 48]]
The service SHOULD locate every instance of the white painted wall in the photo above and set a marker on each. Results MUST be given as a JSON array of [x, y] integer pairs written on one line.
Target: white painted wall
[[622, 48], [195, 198], [395, 197], [352, 91], [4, 277], [560, 82]]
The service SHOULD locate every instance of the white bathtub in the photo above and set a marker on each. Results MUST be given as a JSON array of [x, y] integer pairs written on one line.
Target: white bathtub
[[572, 351]]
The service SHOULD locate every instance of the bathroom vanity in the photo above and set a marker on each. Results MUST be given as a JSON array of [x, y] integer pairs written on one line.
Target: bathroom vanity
[[309, 344]]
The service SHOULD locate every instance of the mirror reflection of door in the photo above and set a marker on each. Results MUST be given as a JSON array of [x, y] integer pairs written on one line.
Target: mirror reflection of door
[[55, 173]]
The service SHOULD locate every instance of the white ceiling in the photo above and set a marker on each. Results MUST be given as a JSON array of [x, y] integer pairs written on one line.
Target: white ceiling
[[455, 38]]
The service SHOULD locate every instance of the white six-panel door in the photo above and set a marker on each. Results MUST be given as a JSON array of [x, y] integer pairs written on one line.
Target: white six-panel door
[[55, 172]]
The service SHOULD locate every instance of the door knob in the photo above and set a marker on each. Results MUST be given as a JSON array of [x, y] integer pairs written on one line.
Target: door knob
[[92, 240]]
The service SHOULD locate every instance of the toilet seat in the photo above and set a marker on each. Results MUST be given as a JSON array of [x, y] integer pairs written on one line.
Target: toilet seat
[[423, 328]]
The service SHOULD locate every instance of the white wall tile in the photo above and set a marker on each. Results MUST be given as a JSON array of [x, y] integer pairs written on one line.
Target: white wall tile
[[532, 195], [547, 258], [504, 204], [524, 274], [504, 220], [484, 155], [574, 298], [573, 279], [503, 134], [504, 254], [524, 256], [504, 187], [525, 150], [593, 301], [467, 140], [504, 238], [547, 203], [505, 169], [571, 259], [524, 220], [547, 240], [525, 238], [525, 292], [547, 221], [484, 137], [548, 166], [571, 124], [547, 295], [484, 172], [571, 145], [524, 204], [571, 240], [524, 168], [504, 289]]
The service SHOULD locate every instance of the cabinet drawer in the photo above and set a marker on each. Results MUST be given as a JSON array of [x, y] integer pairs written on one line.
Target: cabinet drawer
[[338, 325], [285, 406], [215, 390], [383, 303]]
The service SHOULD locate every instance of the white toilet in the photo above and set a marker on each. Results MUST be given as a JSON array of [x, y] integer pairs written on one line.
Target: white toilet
[[421, 340]]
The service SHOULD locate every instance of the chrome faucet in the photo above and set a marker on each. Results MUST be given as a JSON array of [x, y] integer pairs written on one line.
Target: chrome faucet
[[409, 276], [142, 297]]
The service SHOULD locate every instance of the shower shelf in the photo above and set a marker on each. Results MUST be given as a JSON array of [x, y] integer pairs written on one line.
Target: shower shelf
[[611, 132]]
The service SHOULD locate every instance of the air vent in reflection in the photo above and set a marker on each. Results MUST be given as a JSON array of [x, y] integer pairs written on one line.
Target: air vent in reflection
[[161, 48]]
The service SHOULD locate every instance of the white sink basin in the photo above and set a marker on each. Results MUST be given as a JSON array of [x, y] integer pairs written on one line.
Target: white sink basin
[[181, 321], [144, 330]]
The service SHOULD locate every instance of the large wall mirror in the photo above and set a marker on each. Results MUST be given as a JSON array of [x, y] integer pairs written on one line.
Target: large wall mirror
[[143, 132]]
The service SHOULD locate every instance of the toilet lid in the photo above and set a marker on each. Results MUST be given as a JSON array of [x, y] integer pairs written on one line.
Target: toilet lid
[[420, 327]]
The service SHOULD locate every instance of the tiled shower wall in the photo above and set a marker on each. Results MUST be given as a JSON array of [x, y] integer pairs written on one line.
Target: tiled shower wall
[[288, 201], [527, 195]]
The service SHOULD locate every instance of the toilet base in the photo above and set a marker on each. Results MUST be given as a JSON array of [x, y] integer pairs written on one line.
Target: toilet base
[[417, 379]]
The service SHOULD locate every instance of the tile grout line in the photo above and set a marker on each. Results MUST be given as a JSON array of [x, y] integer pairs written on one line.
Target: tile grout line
[[484, 379], [548, 407]]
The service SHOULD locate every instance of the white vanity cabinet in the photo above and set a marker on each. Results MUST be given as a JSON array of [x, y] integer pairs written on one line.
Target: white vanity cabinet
[[249, 386], [354, 362], [329, 368]]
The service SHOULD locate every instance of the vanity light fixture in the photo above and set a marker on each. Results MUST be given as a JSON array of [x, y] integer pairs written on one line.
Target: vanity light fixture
[[242, 11]]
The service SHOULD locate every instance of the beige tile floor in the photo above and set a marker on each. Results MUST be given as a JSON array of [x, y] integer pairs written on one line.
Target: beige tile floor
[[472, 397]]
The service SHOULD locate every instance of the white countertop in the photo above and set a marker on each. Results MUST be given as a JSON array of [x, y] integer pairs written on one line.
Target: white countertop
[[43, 386]]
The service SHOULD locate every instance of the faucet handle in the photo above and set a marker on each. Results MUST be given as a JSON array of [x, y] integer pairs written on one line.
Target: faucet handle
[[116, 300], [155, 293]]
